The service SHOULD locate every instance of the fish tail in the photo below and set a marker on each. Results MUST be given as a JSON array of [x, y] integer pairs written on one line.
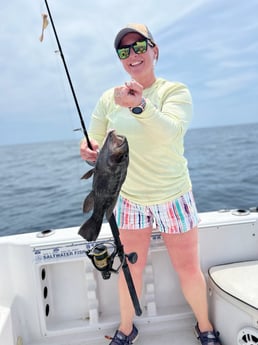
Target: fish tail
[[91, 228]]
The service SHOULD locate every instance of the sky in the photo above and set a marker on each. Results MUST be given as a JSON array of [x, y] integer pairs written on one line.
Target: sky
[[210, 45]]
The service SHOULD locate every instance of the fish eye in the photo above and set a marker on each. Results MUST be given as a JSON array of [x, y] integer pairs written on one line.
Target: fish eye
[[121, 157]]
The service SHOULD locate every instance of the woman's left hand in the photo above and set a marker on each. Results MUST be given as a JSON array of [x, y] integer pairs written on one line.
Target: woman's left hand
[[128, 95]]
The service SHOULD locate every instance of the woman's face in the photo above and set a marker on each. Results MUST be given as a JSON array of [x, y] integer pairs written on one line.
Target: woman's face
[[139, 66]]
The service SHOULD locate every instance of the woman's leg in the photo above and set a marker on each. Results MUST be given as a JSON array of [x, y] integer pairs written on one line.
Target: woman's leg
[[134, 241], [184, 254]]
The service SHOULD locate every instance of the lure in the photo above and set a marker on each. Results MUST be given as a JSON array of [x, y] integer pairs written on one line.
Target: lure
[[44, 26]]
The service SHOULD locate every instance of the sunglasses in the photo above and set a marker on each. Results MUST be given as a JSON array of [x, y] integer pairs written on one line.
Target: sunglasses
[[139, 47]]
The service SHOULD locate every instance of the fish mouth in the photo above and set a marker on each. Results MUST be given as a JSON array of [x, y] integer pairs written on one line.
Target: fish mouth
[[120, 140], [117, 139], [117, 148]]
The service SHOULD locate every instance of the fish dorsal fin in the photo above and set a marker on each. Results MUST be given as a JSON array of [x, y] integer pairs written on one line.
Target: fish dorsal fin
[[88, 174], [88, 202]]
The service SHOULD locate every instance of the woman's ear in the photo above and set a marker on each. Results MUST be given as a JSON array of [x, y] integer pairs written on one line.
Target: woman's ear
[[156, 53]]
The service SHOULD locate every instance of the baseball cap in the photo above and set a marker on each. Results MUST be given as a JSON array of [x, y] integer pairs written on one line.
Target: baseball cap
[[141, 29]]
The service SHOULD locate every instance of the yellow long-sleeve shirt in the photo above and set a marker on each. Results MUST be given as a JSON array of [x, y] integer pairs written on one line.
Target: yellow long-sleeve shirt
[[157, 170]]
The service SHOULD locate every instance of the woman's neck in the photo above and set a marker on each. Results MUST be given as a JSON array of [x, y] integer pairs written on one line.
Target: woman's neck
[[146, 81]]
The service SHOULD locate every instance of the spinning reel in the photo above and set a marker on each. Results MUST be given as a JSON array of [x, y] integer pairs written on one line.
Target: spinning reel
[[102, 256]]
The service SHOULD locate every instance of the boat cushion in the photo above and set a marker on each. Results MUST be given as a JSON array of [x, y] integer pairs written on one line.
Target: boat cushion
[[239, 280]]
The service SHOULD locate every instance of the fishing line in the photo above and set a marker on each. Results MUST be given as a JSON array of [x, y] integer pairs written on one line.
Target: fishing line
[[68, 77]]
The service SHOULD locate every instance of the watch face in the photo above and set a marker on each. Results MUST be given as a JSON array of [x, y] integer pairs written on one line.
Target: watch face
[[137, 110]]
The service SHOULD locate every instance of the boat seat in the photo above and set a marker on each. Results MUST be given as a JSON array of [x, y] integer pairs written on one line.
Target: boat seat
[[238, 280], [233, 293]]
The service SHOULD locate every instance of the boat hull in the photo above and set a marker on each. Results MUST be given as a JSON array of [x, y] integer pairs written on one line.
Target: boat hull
[[53, 294]]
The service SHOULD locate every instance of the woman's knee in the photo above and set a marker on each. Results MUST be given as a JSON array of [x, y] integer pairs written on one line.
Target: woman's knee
[[136, 241], [188, 271]]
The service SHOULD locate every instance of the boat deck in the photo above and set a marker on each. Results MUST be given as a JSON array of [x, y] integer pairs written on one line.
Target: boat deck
[[177, 333]]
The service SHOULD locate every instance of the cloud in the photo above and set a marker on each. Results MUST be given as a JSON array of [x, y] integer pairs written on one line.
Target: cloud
[[229, 85], [210, 45]]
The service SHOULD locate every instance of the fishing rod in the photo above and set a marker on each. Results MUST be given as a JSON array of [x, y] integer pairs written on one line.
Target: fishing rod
[[119, 251], [68, 77]]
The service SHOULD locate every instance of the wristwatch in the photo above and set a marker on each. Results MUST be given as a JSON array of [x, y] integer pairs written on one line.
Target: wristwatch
[[139, 108]]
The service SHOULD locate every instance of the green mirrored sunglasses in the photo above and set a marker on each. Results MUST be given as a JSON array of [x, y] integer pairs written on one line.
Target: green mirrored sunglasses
[[139, 47]]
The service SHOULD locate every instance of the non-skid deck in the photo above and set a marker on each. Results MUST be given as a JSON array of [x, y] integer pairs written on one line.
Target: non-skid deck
[[173, 333], [161, 337]]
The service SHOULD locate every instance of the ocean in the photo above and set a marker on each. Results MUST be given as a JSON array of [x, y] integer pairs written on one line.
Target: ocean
[[40, 185]]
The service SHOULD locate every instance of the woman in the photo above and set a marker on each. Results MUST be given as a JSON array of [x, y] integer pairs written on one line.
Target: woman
[[154, 115]]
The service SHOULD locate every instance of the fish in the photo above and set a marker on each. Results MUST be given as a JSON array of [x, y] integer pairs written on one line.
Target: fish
[[109, 174]]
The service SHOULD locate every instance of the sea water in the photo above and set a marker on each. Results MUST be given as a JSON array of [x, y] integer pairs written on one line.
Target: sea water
[[40, 185]]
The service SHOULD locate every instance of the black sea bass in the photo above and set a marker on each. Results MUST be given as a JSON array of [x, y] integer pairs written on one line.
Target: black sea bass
[[109, 174]]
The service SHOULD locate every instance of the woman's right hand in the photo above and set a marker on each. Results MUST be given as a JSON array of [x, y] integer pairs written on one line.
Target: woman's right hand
[[86, 153]]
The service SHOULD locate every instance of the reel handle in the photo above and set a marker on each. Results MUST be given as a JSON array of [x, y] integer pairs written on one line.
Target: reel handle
[[132, 257]]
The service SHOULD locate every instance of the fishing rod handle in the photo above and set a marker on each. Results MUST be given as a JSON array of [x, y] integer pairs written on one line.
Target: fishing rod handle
[[125, 267]]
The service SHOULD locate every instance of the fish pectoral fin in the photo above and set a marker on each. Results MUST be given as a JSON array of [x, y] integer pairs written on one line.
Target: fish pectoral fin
[[88, 174], [88, 202]]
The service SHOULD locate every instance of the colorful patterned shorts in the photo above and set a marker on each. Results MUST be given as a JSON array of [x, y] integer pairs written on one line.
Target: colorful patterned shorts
[[172, 217]]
